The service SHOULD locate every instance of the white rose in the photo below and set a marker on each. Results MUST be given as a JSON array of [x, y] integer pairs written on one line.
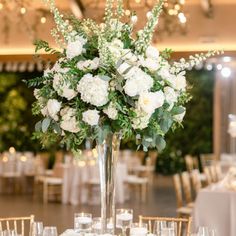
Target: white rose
[[75, 48], [91, 117], [53, 107], [67, 92], [44, 111], [88, 64], [179, 118], [149, 101], [151, 64], [111, 112], [68, 120], [152, 52], [180, 81], [170, 95]]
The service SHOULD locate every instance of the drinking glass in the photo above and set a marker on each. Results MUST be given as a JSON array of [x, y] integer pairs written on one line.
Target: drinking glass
[[9, 233], [212, 232], [138, 229], [83, 222], [50, 231], [164, 228], [97, 226], [124, 219], [36, 229], [203, 231]]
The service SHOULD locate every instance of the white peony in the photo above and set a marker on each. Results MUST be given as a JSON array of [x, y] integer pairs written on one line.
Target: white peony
[[179, 118], [170, 95], [152, 52], [149, 101], [63, 87], [93, 90], [111, 111], [68, 120], [137, 83], [91, 117], [53, 107], [141, 121], [75, 48], [180, 81]]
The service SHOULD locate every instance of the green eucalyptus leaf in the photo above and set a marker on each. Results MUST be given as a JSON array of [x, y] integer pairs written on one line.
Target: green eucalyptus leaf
[[38, 126], [177, 110], [105, 77], [45, 124], [160, 143]]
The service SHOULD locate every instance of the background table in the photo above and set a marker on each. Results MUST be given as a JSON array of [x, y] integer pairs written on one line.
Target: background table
[[215, 207]]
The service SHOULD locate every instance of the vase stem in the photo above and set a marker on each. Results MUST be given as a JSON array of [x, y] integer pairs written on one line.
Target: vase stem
[[108, 154]]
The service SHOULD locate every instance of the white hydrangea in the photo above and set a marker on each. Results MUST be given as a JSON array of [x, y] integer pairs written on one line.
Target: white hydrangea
[[170, 95], [63, 87], [152, 52], [93, 90], [179, 118], [88, 64], [68, 120], [75, 48], [137, 83], [111, 111], [53, 107], [91, 117], [150, 101], [141, 121]]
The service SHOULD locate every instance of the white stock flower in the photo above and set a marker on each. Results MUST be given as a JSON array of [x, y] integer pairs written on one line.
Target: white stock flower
[[63, 87], [149, 101], [180, 81], [138, 82], [152, 52], [93, 90], [170, 95], [53, 107], [91, 117], [111, 111], [179, 118], [88, 64], [141, 121], [75, 48], [68, 120]]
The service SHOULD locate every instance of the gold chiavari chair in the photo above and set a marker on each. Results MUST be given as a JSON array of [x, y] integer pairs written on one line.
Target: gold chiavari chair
[[207, 159], [187, 188], [181, 222], [196, 180], [17, 223], [181, 209], [208, 175]]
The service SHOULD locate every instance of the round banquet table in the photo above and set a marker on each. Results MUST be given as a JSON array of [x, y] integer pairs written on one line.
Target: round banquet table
[[75, 177], [215, 207]]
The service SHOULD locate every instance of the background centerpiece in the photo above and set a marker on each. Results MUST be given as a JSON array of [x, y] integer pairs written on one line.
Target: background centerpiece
[[108, 85]]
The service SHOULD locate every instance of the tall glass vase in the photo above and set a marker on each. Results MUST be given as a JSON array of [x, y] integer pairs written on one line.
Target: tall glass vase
[[108, 153]]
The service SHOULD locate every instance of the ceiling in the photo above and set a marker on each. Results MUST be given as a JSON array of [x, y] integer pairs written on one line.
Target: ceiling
[[202, 33]]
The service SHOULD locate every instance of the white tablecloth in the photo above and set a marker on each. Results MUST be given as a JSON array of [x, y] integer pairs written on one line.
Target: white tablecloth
[[215, 207], [75, 178]]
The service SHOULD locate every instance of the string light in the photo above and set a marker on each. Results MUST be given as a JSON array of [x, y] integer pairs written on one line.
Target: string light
[[23, 10], [43, 20], [127, 12], [182, 18]]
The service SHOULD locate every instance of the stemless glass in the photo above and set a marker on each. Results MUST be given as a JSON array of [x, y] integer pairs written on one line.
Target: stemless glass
[[138, 229], [83, 222], [203, 231], [36, 229], [9, 233], [50, 231], [165, 228], [124, 219]]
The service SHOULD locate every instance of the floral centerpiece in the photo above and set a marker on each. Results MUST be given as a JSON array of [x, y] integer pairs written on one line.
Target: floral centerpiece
[[109, 81]]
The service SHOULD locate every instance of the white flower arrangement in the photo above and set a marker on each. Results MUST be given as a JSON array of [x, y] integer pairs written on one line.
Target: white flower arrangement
[[107, 81]]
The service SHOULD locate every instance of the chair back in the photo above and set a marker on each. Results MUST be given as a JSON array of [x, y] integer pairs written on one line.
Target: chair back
[[207, 159], [189, 163], [17, 223], [196, 180], [178, 190], [187, 186], [183, 224], [208, 175]]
